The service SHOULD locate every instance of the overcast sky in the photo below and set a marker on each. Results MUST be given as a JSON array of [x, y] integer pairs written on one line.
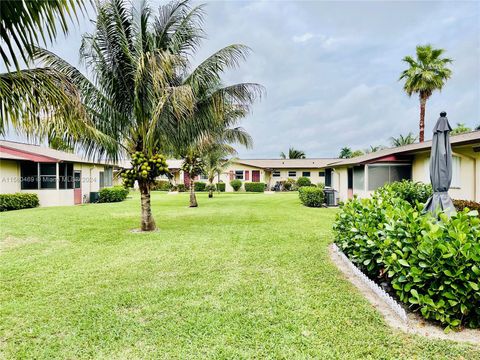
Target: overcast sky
[[331, 69]]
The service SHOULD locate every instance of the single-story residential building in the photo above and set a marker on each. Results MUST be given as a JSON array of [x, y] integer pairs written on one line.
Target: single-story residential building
[[57, 177], [363, 174]]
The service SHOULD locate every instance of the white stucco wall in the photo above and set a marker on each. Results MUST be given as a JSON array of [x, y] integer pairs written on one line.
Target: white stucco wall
[[9, 177]]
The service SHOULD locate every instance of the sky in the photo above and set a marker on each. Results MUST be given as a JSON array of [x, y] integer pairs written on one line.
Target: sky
[[331, 69]]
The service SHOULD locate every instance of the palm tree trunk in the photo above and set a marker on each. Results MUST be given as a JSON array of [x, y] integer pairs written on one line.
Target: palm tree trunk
[[423, 102], [193, 198], [148, 223], [210, 188]]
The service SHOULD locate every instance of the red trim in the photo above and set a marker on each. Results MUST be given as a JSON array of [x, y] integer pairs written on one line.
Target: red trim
[[27, 155], [389, 158], [247, 175]]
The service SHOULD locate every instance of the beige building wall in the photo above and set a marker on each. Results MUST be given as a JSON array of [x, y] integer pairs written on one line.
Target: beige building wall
[[90, 175], [9, 177], [225, 177], [314, 177]]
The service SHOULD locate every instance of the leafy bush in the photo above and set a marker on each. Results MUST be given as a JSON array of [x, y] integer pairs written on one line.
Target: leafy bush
[[181, 188], [303, 181], [311, 196], [254, 187], [18, 201], [113, 194], [410, 191], [433, 266], [199, 186], [220, 186], [462, 204], [289, 185], [236, 184], [161, 185]]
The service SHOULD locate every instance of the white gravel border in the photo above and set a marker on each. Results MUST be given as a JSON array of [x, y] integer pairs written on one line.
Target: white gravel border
[[393, 313]]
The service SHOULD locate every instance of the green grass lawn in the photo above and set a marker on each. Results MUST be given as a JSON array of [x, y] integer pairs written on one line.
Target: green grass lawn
[[242, 276]]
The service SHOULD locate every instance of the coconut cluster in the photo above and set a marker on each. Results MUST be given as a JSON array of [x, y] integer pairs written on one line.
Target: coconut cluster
[[144, 168]]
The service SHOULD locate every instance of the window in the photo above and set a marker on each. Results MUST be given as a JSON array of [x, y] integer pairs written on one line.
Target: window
[[359, 178], [306, 173], [65, 175], [48, 176], [292, 174], [29, 175], [321, 173], [379, 175], [328, 177], [239, 174], [276, 173], [456, 172]]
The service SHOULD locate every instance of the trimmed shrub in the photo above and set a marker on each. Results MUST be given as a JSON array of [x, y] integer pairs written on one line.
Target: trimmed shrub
[[181, 188], [161, 185], [199, 186], [410, 191], [220, 186], [463, 204], [432, 265], [303, 181], [289, 185], [18, 201], [311, 196], [113, 194], [236, 184], [254, 187]]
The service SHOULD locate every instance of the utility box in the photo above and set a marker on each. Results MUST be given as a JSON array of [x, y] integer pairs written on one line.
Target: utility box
[[330, 197], [94, 197]]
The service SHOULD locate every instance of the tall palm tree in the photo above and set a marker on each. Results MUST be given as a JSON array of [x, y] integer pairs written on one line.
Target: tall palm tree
[[142, 99], [345, 153], [403, 140], [293, 154], [427, 73]]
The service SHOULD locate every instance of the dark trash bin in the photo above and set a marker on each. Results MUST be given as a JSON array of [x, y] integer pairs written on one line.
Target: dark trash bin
[[330, 197]]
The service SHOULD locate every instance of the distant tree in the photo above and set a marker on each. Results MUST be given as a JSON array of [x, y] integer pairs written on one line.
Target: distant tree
[[357, 153], [427, 73], [403, 140], [345, 153], [293, 154], [193, 165], [460, 129], [373, 149], [58, 143]]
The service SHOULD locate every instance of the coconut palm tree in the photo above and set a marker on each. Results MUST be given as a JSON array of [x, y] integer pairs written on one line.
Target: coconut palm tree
[[427, 73], [193, 166], [142, 99], [403, 140], [345, 153], [293, 154]]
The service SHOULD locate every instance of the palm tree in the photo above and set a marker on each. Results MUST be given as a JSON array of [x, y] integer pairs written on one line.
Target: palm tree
[[460, 129], [403, 140], [215, 162], [193, 166], [374, 148], [293, 154], [427, 73], [27, 23], [345, 153], [357, 153], [142, 100]]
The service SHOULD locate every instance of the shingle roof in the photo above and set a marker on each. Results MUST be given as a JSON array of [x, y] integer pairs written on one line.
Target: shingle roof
[[465, 138], [44, 151]]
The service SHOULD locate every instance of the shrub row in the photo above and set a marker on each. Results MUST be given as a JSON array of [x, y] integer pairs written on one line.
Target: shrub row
[[254, 187], [236, 184], [432, 265], [162, 185], [113, 194], [18, 201], [220, 186], [311, 196]]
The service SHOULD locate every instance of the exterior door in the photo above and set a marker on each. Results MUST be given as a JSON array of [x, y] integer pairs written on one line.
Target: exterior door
[[350, 183], [256, 175], [77, 187]]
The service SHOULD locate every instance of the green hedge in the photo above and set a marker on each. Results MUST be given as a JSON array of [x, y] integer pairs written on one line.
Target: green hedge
[[311, 196], [303, 181], [161, 185], [236, 184], [254, 186], [199, 186], [220, 186], [18, 201], [412, 192], [432, 265], [113, 194]]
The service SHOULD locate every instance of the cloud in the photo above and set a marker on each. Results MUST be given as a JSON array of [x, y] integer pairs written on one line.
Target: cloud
[[303, 38]]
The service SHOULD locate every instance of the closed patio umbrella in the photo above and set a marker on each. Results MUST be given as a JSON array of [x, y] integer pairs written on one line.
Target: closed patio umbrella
[[441, 168]]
